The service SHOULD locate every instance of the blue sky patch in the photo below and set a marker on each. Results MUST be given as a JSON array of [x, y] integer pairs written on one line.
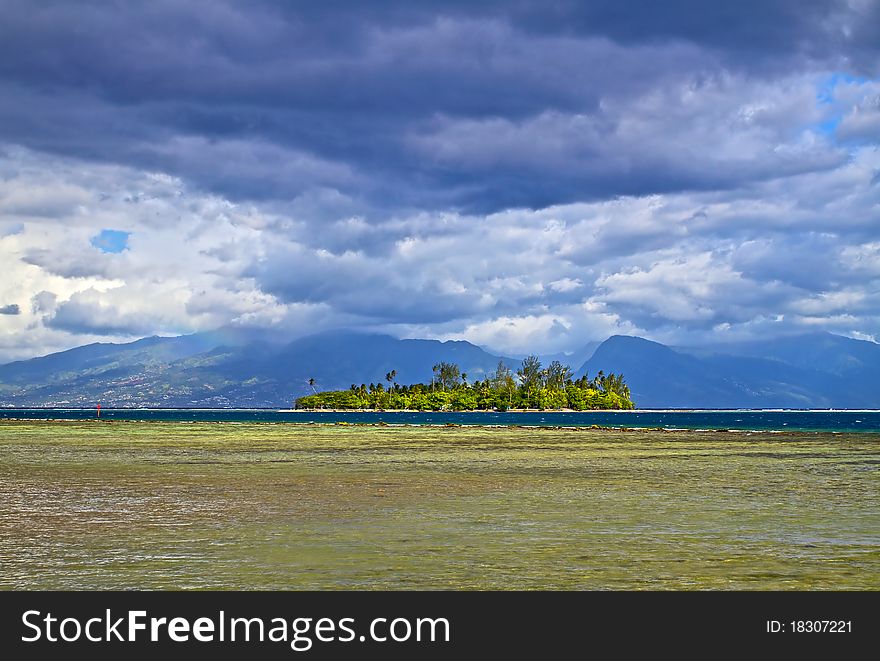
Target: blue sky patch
[[113, 241], [825, 93], [825, 96]]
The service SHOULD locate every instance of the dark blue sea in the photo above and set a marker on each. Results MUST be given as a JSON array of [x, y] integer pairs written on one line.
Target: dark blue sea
[[745, 420]]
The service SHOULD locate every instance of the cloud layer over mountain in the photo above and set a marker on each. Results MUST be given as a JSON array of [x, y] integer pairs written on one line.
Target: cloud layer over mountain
[[525, 175]]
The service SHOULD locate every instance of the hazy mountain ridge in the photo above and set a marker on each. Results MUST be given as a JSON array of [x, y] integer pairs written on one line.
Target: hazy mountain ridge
[[188, 371], [758, 375], [816, 370]]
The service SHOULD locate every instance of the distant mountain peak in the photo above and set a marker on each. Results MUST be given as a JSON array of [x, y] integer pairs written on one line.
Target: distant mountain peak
[[249, 367]]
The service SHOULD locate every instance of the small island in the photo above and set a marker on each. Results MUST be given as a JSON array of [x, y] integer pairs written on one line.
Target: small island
[[530, 387]]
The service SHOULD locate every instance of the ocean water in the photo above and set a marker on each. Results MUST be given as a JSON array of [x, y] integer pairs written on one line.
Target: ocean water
[[121, 506], [743, 420]]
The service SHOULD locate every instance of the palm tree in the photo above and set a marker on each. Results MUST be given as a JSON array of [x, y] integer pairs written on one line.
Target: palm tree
[[312, 385], [390, 378]]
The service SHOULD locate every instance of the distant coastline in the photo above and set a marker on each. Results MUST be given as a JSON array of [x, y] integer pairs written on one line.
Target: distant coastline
[[320, 410]]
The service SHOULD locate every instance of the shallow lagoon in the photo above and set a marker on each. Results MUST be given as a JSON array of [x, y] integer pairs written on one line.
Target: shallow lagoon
[[87, 505]]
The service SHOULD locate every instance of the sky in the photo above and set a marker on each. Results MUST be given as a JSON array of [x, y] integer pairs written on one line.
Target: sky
[[526, 175]]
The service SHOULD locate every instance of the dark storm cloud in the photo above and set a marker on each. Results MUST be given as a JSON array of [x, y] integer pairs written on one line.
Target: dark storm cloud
[[11, 309], [523, 174], [275, 100]]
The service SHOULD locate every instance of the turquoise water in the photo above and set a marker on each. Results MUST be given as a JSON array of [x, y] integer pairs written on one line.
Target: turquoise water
[[746, 420]]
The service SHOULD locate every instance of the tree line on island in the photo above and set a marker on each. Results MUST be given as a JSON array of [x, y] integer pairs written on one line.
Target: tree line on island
[[529, 387]]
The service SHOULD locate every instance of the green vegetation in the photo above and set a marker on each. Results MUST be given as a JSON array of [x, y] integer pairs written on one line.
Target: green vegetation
[[532, 387], [110, 505]]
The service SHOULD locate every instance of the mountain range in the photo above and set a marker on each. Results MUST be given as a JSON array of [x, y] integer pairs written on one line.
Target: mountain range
[[233, 368]]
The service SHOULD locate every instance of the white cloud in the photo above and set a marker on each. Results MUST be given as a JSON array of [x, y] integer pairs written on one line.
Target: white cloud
[[677, 267], [181, 273]]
